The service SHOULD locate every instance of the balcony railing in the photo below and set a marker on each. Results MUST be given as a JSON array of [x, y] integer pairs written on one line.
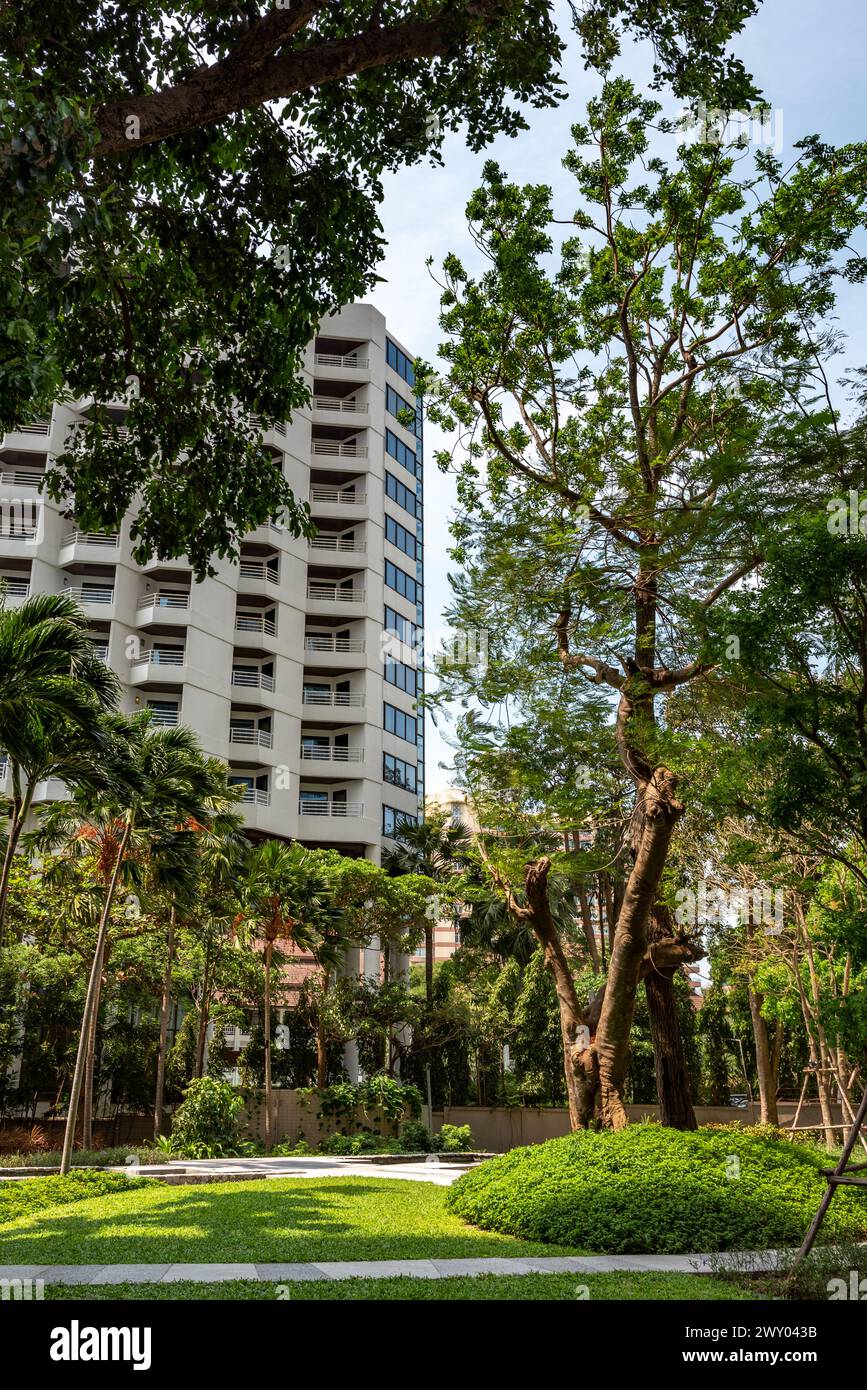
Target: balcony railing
[[334, 593], [21, 477], [261, 738], [167, 717], [11, 529], [343, 497], [257, 796], [313, 642], [100, 651], [151, 602], [341, 405], [35, 427], [163, 656], [347, 809], [351, 360], [335, 448], [335, 698], [17, 589], [257, 569], [313, 753], [336, 544], [257, 422], [90, 594], [110, 540], [258, 680], [250, 622]]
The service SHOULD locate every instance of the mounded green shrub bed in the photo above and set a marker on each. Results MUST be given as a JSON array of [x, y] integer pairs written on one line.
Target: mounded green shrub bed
[[19, 1198], [651, 1190]]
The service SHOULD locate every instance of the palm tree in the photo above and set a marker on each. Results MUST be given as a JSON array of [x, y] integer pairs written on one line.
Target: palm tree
[[53, 693], [437, 848], [284, 897], [167, 782]]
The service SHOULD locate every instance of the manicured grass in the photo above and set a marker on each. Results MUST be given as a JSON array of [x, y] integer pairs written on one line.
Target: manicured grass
[[282, 1219], [565, 1288]]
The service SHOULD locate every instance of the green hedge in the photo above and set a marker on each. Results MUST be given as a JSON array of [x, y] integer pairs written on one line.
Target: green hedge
[[23, 1196], [652, 1190]]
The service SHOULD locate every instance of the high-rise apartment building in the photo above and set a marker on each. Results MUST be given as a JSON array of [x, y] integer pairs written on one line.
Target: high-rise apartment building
[[299, 665]]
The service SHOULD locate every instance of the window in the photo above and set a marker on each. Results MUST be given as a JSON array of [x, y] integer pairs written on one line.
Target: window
[[398, 773], [403, 496], [401, 452], [401, 725], [399, 536], [393, 820], [399, 362], [403, 629], [399, 674], [397, 405], [402, 582]]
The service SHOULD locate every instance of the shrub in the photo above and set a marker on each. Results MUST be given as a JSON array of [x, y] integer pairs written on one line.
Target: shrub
[[205, 1124], [453, 1139], [81, 1158], [32, 1194], [415, 1138], [648, 1189]]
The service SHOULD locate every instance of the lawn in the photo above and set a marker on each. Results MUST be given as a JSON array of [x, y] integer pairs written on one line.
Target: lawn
[[567, 1288], [284, 1219]]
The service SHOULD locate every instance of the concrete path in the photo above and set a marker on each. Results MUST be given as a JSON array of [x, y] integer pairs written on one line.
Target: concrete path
[[431, 1169], [386, 1269]]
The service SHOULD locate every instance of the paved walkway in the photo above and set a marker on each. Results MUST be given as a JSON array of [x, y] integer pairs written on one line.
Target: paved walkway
[[431, 1169], [386, 1269]]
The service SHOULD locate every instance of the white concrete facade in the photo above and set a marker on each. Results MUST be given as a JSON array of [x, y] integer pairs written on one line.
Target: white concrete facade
[[277, 662]]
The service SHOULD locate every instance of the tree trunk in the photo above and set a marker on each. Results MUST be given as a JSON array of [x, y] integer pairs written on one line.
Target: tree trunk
[[321, 1039], [87, 1096], [764, 1063], [20, 810], [669, 1058], [204, 1013], [429, 937], [92, 993], [165, 1009], [608, 1058], [269, 1136], [587, 924]]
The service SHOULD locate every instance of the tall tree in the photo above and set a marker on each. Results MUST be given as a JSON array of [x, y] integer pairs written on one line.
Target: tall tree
[[188, 188], [612, 415]]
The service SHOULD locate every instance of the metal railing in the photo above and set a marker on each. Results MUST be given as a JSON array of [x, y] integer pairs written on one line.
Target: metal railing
[[257, 796], [162, 656], [333, 753], [335, 698], [154, 601], [109, 539], [334, 448], [35, 427], [13, 530], [341, 405], [353, 809], [313, 642], [350, 360], [15, 588], [166, 717], [250, 622], [257, 569], [278, 428], [253, 679], [336, 544], [333, 593], [21, 477], [342, 497], [91, 594], [262, 738]]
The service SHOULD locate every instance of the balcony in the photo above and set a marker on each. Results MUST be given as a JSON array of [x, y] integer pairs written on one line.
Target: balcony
[[92, 595], [256, 796], [350, 361], [21, 477], [258, 424], [257, 738], [324, 496], [333, 753], [340, 405], [257, 569], [346, 810], [166, 718], [159, 665], [316, 642], [38, 427], [163, 608], [325, 592], [336, 545], [339, 448], [15, 591], [333, 699], [254, 622], [252, 680]]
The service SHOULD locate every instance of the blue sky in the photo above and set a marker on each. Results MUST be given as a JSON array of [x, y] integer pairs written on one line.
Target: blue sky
[[807, 56]]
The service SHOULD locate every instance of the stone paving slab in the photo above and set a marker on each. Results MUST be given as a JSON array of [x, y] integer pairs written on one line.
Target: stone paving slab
[[131, 1274], [290, 1273], [381, 1269], [201, 1274]]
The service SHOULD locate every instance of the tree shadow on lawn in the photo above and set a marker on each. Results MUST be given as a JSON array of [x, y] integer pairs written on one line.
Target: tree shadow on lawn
[[263, 1222]]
